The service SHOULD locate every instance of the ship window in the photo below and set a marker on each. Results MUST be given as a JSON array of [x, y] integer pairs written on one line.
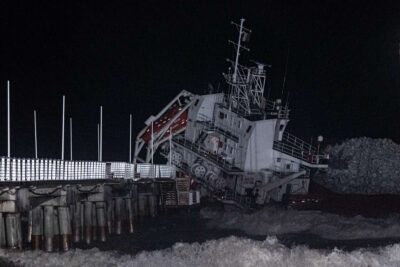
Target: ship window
[[197, 101], [288, 166], [248, 129], [231, 150], [278, 160], [281, 127], [221, 115], [239, 124]]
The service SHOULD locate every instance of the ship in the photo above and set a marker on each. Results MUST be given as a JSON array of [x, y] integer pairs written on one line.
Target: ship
[[233, 144]]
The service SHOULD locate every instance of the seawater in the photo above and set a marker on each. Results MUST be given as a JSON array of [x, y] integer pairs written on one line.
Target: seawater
[[212, 237]]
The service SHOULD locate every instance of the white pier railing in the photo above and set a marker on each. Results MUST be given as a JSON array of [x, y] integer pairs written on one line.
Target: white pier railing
[[25, 170], [123, 170]]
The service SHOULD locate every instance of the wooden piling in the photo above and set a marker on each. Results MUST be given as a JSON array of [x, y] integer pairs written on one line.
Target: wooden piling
[[48, 213]]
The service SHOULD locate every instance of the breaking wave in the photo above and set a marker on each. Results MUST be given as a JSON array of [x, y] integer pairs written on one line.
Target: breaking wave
[[239, 251], [232, 251], [275, 221]]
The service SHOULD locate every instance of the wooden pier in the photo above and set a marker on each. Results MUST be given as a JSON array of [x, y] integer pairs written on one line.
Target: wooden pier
[[52, 204]]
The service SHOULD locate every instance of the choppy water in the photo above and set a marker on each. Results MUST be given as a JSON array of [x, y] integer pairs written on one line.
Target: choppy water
[[278, 221], [272, 237]]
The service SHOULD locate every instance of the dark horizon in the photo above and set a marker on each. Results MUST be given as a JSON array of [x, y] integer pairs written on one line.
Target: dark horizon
[[342, 71]]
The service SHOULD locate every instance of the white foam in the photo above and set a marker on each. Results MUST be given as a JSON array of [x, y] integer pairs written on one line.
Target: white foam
[[273, 221], [230, 252]]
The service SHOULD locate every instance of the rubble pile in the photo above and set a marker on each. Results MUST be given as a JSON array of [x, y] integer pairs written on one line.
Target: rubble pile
[[363, 166]]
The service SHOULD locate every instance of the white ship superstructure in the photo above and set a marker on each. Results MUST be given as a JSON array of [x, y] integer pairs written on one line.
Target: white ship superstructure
[[235, 145]]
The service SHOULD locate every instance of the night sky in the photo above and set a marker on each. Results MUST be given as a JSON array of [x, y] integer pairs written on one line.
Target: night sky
[[134, 57]]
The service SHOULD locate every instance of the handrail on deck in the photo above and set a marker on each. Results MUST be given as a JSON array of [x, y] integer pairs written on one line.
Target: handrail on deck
[[298, 143], [22, 170], [299, 153]]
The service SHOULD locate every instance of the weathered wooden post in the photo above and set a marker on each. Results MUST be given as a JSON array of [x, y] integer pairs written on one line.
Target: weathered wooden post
[[65, 227], [101, 220], [48, 213], [11, 229], [88, 221], [118, 215], [37, 227]]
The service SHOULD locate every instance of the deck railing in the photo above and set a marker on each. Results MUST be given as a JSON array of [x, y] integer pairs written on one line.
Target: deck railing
[[21, 170], [276, 109], [296, 147], [294, 141]]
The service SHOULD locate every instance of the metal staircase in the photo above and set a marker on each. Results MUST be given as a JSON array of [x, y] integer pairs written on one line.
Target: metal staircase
[[182, 184], [201, 138], [195, 148], [168, 194], [209, 126]]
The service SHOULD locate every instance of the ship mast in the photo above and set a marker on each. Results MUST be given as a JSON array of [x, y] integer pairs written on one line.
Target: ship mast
[[238, 98], [246, 83], [238, 46]]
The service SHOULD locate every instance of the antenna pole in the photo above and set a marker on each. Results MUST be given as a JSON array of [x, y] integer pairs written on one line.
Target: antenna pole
[[63, 126], [284, 77], [238, 50], [8, 119], [98, 142], [241, 94], [170, 146], [101, 134], [35, 128], [287, 99], [152, 143], [130, 138], [70, 138]]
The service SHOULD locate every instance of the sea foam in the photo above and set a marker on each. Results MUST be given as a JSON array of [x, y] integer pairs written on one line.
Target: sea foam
[[231, 251], [275, 221]]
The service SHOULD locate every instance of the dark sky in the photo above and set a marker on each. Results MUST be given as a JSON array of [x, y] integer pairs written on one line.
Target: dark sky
[[134, 57]]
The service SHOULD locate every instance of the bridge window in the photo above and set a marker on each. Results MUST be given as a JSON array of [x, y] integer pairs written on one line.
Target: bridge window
[[222, 115], [197, 101], [248, 129]]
